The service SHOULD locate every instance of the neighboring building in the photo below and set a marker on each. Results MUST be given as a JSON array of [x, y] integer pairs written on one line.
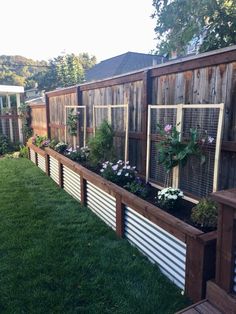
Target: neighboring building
[[125, 63]]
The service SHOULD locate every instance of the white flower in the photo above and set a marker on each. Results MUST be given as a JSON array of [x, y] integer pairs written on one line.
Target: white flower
[[119, 172], [102, 170], [105, 166], [126, 175], [115, 167], [127, 162], [128, 167], [210, 139]]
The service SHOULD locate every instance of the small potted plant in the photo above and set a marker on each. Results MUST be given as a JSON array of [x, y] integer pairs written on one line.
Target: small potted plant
[[169, 198], [204, 214]]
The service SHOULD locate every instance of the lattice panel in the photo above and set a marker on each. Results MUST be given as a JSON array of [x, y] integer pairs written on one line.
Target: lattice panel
[[195, 179], [162, 117]]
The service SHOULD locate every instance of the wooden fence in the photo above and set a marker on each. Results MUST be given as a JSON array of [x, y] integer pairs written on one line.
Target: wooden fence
[[206, 78], [184, 254], [38, 119]]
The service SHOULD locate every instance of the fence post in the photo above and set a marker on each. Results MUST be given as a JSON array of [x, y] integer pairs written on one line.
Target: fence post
[[83, 190], [60, 174], [47, 165], [146, 100], [47, 115], [226, 240], [200, 264], [120, 213], [36, 158]]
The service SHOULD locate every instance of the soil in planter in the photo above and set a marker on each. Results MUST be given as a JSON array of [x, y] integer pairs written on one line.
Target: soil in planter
[[183, 212]]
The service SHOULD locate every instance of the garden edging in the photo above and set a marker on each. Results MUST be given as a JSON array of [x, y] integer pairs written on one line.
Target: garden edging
[[184, 253]]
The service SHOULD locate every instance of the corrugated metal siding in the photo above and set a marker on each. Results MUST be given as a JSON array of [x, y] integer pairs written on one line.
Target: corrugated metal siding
[[32, 156], [234, 282], [54, 169], [71, 183], [158, 245], [102, 204], [41, 162]]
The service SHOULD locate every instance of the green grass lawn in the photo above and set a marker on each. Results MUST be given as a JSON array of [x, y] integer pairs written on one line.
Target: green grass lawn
[[58, 257]]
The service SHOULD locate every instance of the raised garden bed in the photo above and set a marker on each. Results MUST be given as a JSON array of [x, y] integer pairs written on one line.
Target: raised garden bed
[[184, 253]]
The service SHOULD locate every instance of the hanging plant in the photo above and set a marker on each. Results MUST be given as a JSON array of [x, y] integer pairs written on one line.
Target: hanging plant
[[72, 122], [173, 151]]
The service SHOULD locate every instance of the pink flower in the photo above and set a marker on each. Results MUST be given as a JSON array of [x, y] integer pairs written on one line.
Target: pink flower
[[168, 128]]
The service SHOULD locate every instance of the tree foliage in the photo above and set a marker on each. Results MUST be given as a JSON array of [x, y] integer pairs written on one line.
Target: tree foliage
[[65, 70], [62, 71], [180, 21], [18, 70]]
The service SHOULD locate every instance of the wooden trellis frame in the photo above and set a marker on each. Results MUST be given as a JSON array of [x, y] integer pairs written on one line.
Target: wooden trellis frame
[[85, 121], [179, 125], [126, 120]]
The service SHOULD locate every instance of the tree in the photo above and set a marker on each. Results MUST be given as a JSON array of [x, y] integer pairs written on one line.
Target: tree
[[180, 21], [65, 70]]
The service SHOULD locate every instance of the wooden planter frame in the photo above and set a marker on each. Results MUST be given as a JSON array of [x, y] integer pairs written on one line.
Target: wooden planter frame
[[200, 247]]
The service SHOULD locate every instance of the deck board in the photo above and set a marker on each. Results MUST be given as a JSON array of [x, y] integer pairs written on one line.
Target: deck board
[[202, 307]]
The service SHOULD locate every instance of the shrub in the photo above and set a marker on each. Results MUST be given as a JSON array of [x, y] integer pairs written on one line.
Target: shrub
[[101, 145], [53, 143], [79, 155], [169, 198], [204, 214], [4, 144], [139, 187], [60, 147], [23, 151], [121, 173], [40, 141]]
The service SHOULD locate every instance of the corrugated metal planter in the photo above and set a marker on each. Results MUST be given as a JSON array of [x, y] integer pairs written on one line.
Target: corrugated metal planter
[[184, 254]]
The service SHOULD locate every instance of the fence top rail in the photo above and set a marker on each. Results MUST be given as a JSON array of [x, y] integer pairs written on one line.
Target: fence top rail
[[110, 106], [75, 107], [190, 106]]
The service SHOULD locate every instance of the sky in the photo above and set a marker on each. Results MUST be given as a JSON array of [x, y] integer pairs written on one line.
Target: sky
[[43, 29]]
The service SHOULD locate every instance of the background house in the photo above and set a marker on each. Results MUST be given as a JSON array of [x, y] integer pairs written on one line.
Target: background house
[[125, 63]]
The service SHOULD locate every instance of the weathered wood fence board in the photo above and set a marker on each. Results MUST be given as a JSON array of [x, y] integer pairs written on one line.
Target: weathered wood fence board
[[38, 119]]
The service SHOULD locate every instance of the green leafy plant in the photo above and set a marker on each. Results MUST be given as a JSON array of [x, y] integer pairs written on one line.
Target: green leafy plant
[[78, 155], [24, 114], [101, 145], [4, 144], [60, 147], [204, 214], [172, 151], [138, 187], [40, 141], [23, 151], [168, 198], [72, 122], [120, 173], [53, 143]]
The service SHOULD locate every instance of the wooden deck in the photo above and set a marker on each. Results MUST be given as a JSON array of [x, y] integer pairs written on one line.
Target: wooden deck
[[202, 307]]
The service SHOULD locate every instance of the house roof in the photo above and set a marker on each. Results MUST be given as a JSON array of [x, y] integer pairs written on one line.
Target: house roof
[[125, 63]]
